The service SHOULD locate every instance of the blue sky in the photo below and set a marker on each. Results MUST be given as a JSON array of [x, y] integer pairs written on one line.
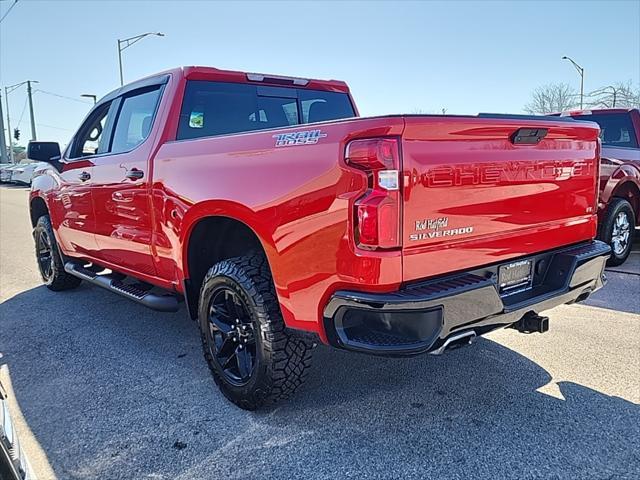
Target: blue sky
[[398, 57]]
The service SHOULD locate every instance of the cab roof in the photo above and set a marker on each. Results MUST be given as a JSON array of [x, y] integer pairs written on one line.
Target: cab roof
[[219, 75], [216, 74]]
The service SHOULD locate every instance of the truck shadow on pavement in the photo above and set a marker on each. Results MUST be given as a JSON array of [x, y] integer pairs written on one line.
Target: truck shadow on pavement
[[112, 390], [621, 293]]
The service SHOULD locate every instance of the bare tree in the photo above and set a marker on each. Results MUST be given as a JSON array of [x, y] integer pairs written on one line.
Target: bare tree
[[620, 95], [553, 97]]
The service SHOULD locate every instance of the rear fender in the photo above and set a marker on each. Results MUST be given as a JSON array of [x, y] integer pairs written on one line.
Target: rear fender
[[624, 182], [223, 208], [261, 225]]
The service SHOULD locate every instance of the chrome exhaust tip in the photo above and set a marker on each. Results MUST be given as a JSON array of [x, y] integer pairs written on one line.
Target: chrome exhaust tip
[[455, 341]]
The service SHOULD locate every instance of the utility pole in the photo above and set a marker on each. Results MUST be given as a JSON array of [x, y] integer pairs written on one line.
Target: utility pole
[[3, 144], [7, 91], [6, 97], [33, 121]]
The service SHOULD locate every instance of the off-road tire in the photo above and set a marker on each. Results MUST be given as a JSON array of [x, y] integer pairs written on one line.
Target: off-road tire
[[58, 279], [616, 207], [282, 356]]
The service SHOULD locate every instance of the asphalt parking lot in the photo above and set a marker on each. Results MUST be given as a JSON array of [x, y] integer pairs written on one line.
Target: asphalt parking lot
[[104, 388]]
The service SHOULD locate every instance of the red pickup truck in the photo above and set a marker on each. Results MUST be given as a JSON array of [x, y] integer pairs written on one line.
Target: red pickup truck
[[619, 207], [282, 219]]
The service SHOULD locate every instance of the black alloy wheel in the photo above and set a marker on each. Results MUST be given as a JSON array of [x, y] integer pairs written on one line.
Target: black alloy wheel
[[44, 254], [50, 260], [232, 338], [254, 358]]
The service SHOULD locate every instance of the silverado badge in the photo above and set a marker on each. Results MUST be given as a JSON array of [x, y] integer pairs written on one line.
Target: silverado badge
[[436, 228]]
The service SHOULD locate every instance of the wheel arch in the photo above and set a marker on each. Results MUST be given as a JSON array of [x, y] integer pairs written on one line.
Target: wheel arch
[[37, 208], [214, 232], [629, 191]]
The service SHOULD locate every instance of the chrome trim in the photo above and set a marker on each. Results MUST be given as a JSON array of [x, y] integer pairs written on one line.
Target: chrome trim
[[621, 233], [454, 338]]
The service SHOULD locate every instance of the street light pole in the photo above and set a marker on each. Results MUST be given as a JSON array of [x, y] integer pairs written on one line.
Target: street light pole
[[91, 96], [120, 63], [615, 94], [581, 72], [126, 43]]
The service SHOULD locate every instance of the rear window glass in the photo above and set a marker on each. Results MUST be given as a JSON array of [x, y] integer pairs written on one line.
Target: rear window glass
[[216, 108], [616, 129]]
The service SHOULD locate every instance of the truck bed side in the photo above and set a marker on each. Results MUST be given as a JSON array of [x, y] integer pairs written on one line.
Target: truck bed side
[[299, 201], [296, 199]]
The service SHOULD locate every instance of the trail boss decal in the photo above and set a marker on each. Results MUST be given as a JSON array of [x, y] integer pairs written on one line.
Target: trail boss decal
[[437, 227], [308, 137]]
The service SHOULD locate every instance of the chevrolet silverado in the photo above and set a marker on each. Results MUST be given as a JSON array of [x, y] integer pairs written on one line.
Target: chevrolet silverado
[[283, 219]]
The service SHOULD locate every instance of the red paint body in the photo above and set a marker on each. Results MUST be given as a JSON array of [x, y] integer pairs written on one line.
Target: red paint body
[[620, 166], [299, 201]]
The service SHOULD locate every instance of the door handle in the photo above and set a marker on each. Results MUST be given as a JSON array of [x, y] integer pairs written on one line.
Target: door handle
[[84, 176], [134, 174]]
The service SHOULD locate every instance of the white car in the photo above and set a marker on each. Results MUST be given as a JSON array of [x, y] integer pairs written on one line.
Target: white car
[[23, 172], [13, 462], [5, 172]]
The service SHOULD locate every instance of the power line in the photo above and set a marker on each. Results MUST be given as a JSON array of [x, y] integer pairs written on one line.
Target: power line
[[24, 108], [62, 96], [48, 126], [56, 128], [7, 12]]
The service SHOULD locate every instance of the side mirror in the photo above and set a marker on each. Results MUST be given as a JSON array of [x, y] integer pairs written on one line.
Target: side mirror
[[45, 152]]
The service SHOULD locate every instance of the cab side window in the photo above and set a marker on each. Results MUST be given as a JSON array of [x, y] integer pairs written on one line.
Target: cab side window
[[89, 139], [135, 119], [616, 129], [217, 108]]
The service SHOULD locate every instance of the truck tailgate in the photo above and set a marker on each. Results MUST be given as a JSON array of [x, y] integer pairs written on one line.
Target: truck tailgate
[[474, 194]]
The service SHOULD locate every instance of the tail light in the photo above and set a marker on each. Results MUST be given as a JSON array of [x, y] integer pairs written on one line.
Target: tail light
[[378, 211]]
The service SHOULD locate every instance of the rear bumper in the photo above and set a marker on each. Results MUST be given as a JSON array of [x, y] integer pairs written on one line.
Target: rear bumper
[[422, 316]]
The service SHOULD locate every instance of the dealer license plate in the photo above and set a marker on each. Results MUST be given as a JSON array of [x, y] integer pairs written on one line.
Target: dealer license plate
[[515, 277]]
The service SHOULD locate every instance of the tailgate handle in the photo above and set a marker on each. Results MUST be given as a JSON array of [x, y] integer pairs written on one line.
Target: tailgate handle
[[528, 136]]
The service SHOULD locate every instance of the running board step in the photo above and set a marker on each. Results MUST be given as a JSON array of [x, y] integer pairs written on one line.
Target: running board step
[[162, 303]]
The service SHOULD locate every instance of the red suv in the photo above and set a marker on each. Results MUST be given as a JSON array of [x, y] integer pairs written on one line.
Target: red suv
[[619, 205]]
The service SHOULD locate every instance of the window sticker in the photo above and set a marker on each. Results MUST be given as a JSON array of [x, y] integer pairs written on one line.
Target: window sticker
[[196, 120]]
